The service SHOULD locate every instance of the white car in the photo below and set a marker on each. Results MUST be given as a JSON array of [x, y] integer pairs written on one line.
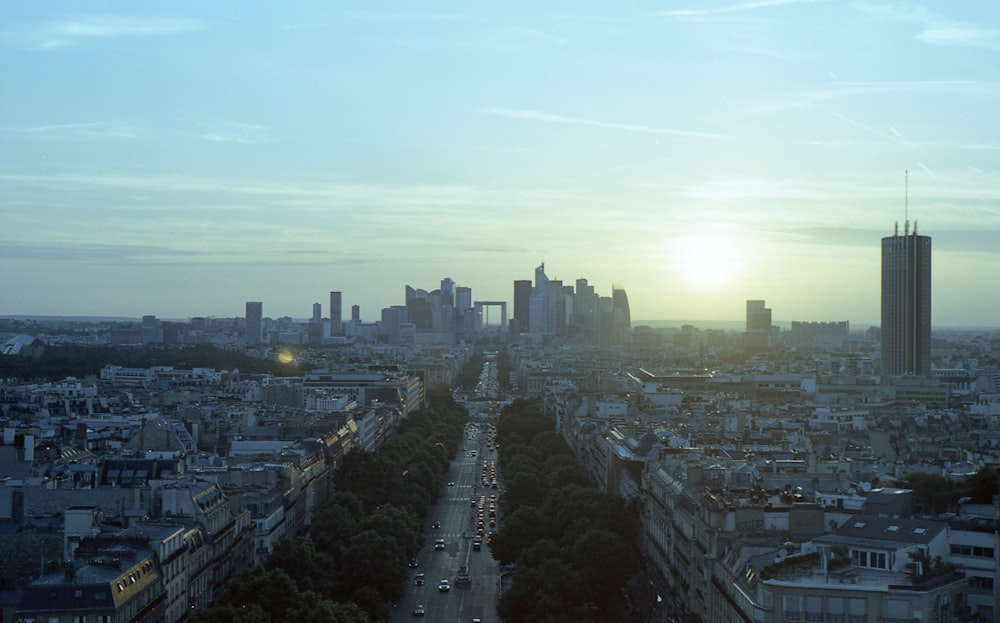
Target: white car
[[444, 586]]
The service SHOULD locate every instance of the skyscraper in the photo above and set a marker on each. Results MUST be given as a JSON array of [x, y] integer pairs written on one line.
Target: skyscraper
[[336, 320], [906, 303], [522, 298], [255, 322], [623, 316], [756, 338], [463, 299]]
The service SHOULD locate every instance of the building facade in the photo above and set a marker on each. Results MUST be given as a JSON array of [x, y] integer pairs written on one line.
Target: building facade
[[255, 322], [906, 304], [336, 320]]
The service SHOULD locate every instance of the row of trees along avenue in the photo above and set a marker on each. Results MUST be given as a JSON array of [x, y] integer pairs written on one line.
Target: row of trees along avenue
[[352, 563], [571, 544]]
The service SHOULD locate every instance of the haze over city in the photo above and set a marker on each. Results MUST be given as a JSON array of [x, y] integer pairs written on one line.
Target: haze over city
[[181, 158]]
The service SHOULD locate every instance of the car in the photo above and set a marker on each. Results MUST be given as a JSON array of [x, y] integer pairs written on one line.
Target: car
[[419, 579], [451, 484], [444, 586], [419, 610], [412, 563], [436, 525], [439, 544]]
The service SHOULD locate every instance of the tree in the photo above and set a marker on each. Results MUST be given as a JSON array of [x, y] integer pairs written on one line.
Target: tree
[[269, 588], [552, 588], [931, 492], [307, 568], [228, 613], [606, 559], [336, 522], [982, 486], [375, 561], [314, 609]]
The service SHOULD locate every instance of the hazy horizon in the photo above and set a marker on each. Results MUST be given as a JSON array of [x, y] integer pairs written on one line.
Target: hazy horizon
[[170, 157], [665, 323]]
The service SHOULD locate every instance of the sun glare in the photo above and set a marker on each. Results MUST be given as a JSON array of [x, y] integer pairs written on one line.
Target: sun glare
[[706, 260]]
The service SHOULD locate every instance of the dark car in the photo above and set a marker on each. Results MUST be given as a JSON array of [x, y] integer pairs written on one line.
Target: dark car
[[418, 611]]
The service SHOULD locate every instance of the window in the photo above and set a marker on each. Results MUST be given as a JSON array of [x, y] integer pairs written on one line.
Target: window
[[792, 605], [970, 550], [898, 609], [814, 608]]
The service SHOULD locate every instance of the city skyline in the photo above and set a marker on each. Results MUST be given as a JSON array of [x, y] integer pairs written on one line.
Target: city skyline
[[181, 159]]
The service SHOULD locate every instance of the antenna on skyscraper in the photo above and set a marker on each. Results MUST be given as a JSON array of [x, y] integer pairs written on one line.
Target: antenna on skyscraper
[[906, 202]]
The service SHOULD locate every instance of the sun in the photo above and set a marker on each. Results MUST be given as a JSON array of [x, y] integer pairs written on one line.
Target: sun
[[706, 261]]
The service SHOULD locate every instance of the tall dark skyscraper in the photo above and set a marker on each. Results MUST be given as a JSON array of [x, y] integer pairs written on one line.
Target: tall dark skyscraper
[[336, 320], [619, 298], [906, 303], [522, 301], [255, 322]]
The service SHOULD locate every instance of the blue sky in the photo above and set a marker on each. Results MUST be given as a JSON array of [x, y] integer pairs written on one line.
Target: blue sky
[[180, 158]]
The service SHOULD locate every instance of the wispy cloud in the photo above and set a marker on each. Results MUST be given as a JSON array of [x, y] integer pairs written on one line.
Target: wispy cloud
[[936, 29], [86, 129], [929, 172], [848, 89], [69, 32], [892, 135], [738, 7], [745, 189], [961, 34], [533, 35], [241, 133], [535, 115]]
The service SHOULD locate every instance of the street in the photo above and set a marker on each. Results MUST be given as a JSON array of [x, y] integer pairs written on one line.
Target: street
[[458, 516]]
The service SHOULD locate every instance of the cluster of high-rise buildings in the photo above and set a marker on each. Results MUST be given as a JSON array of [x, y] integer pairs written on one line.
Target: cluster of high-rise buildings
[[545, 309]]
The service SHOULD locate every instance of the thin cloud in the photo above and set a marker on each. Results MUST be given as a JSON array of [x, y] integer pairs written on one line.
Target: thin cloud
[[535, 115], [961, 35], [240, 133], [937, 30], [86, 129], [848, 89], [929, 172], [739, 7], [892, 135], [69, 32]]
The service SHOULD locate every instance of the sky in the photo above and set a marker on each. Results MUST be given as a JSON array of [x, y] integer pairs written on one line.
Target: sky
[[179, 158]]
